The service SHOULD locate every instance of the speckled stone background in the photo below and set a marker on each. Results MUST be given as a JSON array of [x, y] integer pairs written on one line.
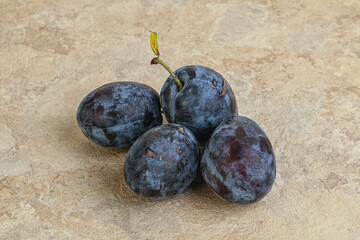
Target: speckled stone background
[[293, 65]]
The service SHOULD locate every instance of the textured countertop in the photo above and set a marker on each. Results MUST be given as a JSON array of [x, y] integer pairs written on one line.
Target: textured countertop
[[293, 65]]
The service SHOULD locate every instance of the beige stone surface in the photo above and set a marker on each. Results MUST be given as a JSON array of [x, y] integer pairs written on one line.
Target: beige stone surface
[[293, 65]]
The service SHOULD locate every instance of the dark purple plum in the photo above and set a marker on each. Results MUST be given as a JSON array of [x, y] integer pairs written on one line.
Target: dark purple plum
[[238, 162], [163, 162], [202, 104], [116, 114]]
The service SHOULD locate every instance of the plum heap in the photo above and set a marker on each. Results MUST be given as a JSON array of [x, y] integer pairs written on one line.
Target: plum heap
[[238, 162]]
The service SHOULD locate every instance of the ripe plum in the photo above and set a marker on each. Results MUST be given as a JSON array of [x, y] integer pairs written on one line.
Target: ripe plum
[[162, 162], [238, 162], [116, 114]]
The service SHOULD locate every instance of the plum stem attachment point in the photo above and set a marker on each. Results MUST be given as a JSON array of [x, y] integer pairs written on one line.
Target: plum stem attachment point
[[157, 60]]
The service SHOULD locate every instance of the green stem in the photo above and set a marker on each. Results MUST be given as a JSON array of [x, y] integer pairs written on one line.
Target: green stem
[[158, 60]]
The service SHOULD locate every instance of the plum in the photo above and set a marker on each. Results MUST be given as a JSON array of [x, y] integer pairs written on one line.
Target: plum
[[202, 104], [238, 162], [116, 114], [195, 96], [162, 162]]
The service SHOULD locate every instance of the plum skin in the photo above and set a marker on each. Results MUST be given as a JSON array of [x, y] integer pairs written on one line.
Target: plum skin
[[116, 114], [238, 162], [163, 162], [199, 105]]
